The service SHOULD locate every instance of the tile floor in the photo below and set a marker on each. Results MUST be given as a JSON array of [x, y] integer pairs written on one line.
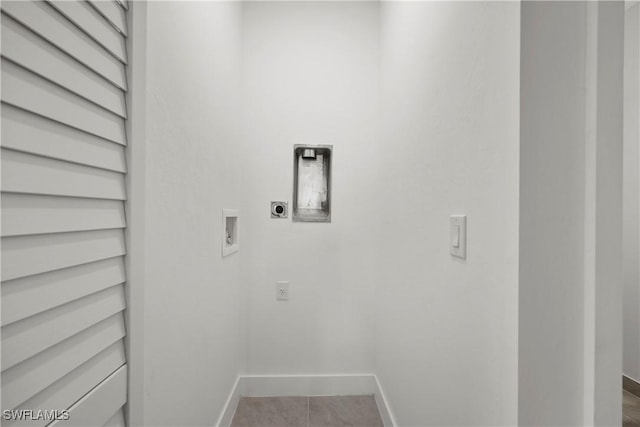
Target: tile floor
[[343, 411], [630, 409], [321, 411]]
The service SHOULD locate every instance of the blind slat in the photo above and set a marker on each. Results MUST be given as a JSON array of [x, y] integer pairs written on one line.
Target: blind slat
[[33, 53], [99, 405], [27, 255], [30, 133], [92, 23], [70, 388], [113, 12], [33, 375], [31, 92], [25, 173], [44, 20], [31, 295], [26, 338], [25, 214]]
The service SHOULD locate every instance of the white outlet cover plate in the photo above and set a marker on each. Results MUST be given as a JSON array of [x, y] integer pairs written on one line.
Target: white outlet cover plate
[[282, 291], [458, 236]]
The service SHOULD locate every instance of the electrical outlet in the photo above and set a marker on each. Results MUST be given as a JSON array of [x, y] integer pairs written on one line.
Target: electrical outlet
[[282, 291]]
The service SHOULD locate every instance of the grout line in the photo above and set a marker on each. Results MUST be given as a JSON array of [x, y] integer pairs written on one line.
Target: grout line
[[308, 398], [632, 420], [631, 396], [625, 415], [631, 386]]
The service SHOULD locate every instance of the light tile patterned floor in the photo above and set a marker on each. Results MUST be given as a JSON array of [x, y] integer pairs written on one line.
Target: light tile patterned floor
[[324, 411]]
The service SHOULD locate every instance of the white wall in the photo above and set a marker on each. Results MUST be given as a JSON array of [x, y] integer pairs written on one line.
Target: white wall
[[570, 214], [421, 101], [446, 328], [311, 76], [194, 344], [605, 230], [552, 213], [631, 197]]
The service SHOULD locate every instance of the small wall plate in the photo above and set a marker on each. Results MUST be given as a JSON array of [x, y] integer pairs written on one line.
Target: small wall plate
[[458, 236], [230, 243], [279, 209]]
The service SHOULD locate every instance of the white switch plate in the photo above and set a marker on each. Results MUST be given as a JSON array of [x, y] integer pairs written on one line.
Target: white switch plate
[[282, 291], [458, 236]]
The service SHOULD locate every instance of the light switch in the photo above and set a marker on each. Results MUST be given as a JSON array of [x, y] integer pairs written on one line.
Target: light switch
[[455, 236], [458, 233]]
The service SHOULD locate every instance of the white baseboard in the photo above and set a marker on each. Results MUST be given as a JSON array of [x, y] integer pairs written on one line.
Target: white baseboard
[[305, 385], [383, 406], [230, 406]]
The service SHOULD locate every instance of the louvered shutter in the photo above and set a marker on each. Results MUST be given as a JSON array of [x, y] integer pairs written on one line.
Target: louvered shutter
[[63, 191]]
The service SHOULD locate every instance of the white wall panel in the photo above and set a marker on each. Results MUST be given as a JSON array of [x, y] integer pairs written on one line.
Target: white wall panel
[[184, 117]]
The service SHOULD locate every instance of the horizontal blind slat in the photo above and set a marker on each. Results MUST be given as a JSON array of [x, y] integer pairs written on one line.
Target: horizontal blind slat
[[26, 90], [23, 47], [100, 403], [26, 214], [44, 20], [30, 133], [70, 388], [29, 255], [37, 373], [28, 337], [29, 174], [24, 297], [94, 25], [113, 12]]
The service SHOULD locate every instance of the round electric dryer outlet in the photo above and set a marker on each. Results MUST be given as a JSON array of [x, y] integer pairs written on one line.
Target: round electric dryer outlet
[[279, 209]]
